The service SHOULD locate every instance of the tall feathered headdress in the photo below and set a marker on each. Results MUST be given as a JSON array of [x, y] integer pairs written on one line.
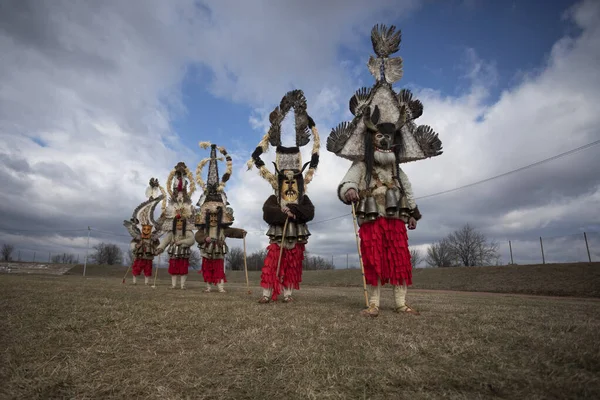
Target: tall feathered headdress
[[214, 189], [177, 183], [381, 105], [288, 158], [144, 213]]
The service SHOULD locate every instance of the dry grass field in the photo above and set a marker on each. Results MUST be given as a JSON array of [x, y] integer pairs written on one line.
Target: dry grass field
[[69, 337]]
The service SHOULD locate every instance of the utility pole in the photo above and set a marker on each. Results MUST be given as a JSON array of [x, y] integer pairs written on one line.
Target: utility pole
[[86, 250]]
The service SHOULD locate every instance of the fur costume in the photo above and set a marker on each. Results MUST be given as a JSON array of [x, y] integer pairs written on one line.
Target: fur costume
[[214, 218], [289, 209], [145, 240], [381, 136], [177, 220]]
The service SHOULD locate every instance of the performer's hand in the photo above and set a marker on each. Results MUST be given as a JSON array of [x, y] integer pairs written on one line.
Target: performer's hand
[[207, 239], [289, 214], [412, 223], [351, 195], [244, 233], [285, 210]]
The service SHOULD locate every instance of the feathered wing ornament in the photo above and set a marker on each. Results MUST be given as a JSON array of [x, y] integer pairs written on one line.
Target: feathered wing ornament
[[413, 142], [132, 228], [143, 214]]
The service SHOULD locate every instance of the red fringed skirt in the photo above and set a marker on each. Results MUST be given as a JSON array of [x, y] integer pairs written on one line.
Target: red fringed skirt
[[179, 266], [290, 269], [213, 270], [384, 248], [140, 265]]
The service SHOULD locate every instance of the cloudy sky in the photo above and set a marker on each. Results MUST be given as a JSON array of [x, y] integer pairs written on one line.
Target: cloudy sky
[[97, 97]]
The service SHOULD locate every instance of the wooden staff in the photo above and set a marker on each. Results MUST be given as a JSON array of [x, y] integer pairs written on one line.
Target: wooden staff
[[156, 273], [125, 276], [246, 267], [362, 267], [281, 249]]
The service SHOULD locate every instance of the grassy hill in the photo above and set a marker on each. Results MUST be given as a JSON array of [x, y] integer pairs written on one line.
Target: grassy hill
[[573, 279]]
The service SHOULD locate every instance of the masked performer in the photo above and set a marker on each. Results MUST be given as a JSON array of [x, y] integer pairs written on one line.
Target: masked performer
[[145, 242], [177, 221], [381, 136], [214, 219], [289, 209]]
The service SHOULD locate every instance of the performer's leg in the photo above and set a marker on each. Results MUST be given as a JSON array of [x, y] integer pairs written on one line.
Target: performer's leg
[[373, 309], [266, 295], [147, 271], [207, 290], [183, 279], [220, 286], [268, 279], [134, 280], [173, 281], [400, 299], [287, 294]]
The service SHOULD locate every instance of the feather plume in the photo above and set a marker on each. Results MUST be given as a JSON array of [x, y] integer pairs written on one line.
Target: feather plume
[[359, 100], [415, 106], [428, 140], [131, 228], [374, 65], [339, 136], [204, 145], [392, 69], [385, 40]]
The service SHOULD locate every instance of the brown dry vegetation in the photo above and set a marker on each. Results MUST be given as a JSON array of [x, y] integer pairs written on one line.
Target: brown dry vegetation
[[575, 279], [94, 338]]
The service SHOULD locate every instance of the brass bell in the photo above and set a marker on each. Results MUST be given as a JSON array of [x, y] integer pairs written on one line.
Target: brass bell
[[292, 231], [371, 211], [403, 206], [360, 210], [391, 202]]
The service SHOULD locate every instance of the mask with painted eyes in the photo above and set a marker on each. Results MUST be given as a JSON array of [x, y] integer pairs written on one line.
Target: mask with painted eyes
[[288, 190], [146, 231]]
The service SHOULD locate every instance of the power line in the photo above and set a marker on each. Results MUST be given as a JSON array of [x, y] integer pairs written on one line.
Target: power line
[[535, 164]]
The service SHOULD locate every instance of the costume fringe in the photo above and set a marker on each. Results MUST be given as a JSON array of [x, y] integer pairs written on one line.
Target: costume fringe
[[213, 271], [384, 248], [290, 270], [179, 266], [140, 265]]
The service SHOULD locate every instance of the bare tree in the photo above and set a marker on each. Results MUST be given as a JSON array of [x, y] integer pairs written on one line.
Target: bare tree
[[235, 259], [256, 260], [440, 255], [315, 263], [7, 250], [107, 254], [471, 248], [416, 257]]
